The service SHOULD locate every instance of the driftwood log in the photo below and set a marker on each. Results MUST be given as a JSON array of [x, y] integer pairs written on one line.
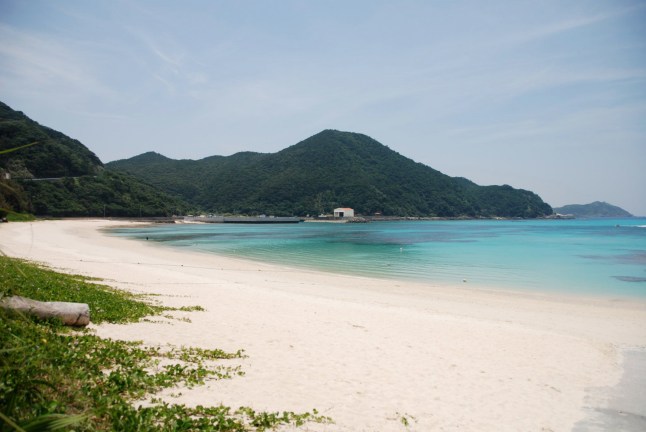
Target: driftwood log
[[72, 314]]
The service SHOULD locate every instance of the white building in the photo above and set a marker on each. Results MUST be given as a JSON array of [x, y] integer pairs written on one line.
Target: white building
[[343, 212]]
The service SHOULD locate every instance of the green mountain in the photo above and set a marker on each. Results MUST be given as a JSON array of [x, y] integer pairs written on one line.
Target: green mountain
[[45, 172], [593, 210], [328, 170]]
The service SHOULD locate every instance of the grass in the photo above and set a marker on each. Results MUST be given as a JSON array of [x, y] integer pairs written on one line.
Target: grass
[[56, 378], [19, 277], [13, 216]]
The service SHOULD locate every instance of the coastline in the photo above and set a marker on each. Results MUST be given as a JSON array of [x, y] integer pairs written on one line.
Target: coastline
[[366, 352], [496, 255]]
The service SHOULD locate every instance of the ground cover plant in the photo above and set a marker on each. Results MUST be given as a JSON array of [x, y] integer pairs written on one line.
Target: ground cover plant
[[18, 277], [56, 378], [13, 216]]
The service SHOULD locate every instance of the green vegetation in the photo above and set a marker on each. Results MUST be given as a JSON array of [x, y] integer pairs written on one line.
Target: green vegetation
[[331, 169], [109, 194], [593, 210], [18, 277], [55, 155], [10, 150], [54, 175], [12, 197], [13, 216], [51, 174], [55, 378]]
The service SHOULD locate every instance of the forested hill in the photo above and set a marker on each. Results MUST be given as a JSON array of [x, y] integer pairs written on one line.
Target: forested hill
[[328, 170], [593, 210], [52, 154], [51, 174]]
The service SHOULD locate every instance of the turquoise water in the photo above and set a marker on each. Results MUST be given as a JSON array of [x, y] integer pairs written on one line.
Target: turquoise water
[[593, 257]]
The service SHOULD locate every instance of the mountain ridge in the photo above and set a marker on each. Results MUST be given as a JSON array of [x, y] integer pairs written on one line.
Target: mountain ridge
[[59, 176], [54, 154], [331, 168], [327, 170]]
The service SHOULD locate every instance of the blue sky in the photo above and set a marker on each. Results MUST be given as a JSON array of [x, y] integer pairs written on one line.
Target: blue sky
[[543, 95]]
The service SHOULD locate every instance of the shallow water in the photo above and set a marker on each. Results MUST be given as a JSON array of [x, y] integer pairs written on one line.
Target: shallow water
[[593, 257]]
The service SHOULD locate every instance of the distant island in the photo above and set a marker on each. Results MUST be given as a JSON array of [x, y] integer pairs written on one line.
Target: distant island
[[596, 209]]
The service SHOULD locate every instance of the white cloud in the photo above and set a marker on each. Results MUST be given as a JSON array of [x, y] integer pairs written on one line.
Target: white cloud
[[565, 25]]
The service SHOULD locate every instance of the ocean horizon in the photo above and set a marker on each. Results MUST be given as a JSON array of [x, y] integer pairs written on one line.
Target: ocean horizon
[[597, 257]]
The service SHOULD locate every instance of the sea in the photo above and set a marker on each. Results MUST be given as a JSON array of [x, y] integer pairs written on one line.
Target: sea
[[591, 257]]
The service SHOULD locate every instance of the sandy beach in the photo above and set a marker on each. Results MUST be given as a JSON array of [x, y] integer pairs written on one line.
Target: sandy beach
[[371, 354]]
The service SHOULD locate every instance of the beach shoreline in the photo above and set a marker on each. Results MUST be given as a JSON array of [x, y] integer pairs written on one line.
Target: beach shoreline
[[370, 353]]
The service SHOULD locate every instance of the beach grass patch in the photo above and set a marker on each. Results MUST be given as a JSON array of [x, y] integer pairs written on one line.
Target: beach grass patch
[[191, 308], [13, 216], [26, 279], [53, 377]]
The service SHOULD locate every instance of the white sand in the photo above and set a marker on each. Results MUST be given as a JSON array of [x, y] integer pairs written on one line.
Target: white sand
[[365, 352]]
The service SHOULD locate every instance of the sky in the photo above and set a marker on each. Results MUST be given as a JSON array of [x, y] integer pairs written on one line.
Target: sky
[[544, 95]]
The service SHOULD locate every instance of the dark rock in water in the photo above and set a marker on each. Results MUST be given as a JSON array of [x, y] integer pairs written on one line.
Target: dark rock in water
[[358, 220], [631, 278]]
